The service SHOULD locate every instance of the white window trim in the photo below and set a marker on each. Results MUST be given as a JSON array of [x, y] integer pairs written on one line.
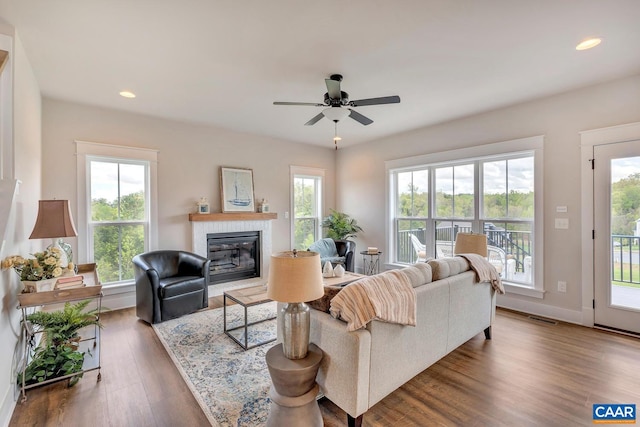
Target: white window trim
[[85, 150], [312, 173], [533, 144]]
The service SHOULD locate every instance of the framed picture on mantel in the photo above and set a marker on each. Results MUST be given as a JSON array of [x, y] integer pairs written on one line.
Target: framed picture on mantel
[[236, 189]]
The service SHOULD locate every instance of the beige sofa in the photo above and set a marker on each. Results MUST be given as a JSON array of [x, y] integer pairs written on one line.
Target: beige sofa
[[360, 368]]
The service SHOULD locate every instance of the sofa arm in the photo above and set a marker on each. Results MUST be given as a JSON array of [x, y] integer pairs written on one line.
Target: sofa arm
[[344, 371]]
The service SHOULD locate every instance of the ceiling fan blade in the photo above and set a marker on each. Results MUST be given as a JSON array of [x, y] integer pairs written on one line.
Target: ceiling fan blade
[[359, 117], [375, 101], [333, 88], [314, 120], [310, 104]]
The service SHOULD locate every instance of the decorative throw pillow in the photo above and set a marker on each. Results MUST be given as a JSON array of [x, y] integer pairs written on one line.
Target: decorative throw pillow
[[324, 302], [419, 273], [439, 269]]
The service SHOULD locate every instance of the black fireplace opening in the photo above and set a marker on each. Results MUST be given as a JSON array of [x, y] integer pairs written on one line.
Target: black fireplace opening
[[234, 256]]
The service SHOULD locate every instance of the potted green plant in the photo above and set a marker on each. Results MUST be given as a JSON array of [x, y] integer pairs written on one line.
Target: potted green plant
[[53, 362], [340, 226], [58, 353]]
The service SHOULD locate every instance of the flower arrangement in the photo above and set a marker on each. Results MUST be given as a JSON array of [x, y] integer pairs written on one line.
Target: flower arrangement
[[44, 265]]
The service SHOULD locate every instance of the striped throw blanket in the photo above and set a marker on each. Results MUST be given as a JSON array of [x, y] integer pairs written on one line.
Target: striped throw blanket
[[485, 272], [388, 297]]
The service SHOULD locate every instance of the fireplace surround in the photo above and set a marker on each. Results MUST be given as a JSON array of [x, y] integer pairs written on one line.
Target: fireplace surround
[[203, 224]]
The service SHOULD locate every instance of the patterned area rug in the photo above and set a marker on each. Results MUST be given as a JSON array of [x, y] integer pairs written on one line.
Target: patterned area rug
[[230, 384]]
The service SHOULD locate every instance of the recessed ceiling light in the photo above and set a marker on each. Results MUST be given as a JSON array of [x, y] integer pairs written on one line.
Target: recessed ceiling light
[[127, 94], [588, 44]]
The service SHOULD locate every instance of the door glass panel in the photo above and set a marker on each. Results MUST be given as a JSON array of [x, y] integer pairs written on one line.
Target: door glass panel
[[625, 232]]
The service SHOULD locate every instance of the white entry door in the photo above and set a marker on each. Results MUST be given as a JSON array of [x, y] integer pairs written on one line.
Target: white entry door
[[617, 235]]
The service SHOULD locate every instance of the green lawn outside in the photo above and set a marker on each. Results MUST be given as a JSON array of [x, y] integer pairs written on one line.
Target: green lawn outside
[[623, 272]]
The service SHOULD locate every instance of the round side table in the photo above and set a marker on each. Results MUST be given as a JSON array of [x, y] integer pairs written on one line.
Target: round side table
[[294, 390], [371, 262]]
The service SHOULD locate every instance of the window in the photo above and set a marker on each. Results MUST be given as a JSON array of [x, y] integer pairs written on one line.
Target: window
[[494, 189], [116, 207], [306, 206]]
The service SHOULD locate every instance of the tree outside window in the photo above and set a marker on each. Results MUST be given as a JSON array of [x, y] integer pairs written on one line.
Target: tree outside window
[[118, 216], [307, 208]]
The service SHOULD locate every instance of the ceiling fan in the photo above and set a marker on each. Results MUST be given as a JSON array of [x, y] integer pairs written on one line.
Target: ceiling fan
[[339, 105]]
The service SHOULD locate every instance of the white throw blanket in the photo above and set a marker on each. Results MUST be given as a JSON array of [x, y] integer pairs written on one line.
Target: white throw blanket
[[485, 271], [388, 297]]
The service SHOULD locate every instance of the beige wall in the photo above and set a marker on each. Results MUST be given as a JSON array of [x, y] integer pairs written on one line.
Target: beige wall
[[560, 118], [26, 167], [189, 160]]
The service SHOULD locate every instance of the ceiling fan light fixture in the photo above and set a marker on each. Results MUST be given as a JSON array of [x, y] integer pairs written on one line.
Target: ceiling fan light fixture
[[335, 114]]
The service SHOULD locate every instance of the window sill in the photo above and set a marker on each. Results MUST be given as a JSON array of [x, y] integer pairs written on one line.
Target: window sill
[[118, 288], [512, 288]]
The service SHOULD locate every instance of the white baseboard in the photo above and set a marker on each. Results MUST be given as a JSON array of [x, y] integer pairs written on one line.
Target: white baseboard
[[557, 313], [8, 406]]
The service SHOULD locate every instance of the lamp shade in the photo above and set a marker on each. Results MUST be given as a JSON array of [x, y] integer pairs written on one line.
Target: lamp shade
[[54, 220], [471, 243], [295, 277]]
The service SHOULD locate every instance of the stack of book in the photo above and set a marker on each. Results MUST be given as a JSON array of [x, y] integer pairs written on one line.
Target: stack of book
[[70, 282]]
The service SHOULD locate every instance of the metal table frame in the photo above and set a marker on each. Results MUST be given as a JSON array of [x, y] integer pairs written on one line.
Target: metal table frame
[[246, 325], [372, 264]]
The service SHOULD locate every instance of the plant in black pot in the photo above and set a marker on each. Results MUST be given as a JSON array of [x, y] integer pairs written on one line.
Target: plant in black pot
[[340, 226], [58, 354]]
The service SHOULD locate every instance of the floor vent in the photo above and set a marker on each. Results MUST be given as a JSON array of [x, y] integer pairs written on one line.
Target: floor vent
[[543, 320]]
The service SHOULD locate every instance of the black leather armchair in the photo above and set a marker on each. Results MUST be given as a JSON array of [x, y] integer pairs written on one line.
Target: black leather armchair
[[346, 248], [169, 284], [335, 251]]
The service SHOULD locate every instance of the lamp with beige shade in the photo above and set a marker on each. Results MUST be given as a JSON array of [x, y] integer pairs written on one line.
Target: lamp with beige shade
[[295, 277], [54, 221]]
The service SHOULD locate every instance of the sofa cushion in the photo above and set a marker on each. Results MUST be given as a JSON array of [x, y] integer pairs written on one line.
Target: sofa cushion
[[418, 274], [324, 302], [442, 268], [178, 285]]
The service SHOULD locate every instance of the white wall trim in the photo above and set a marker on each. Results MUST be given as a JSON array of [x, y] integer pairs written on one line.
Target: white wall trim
[[543, 310], [7, 158], [498, 148], [85, 149], [530, 144], [589, 139], [311, 173]]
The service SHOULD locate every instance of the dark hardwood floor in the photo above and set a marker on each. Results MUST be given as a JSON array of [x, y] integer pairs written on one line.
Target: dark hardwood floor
[[530, 374]]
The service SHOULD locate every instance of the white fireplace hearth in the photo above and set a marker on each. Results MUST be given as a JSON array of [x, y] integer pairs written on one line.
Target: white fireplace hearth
[[203, 224]]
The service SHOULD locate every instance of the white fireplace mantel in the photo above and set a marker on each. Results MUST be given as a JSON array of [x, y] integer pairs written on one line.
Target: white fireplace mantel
[[203, 224]]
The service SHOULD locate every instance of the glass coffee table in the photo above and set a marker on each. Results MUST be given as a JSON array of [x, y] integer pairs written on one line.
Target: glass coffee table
[[246, 297]]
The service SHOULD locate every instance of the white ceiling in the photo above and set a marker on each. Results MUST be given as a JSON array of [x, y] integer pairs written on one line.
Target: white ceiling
[[224, 62]]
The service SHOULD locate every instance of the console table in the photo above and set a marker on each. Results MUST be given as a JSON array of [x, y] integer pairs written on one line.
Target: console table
[[29, 301]]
